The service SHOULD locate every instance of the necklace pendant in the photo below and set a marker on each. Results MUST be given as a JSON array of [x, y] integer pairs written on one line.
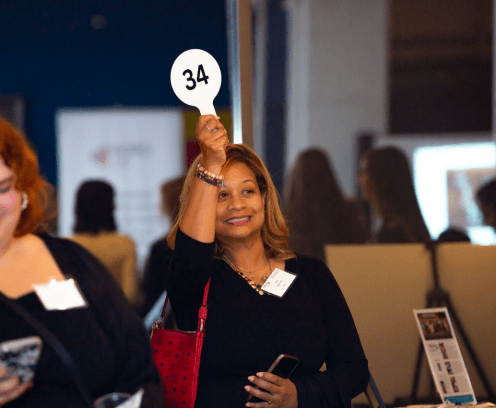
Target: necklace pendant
[[251, 282]]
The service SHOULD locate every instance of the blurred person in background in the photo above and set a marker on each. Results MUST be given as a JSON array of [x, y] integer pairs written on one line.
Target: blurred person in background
[[316, 210], [486, 200], [153, 284], [96, 230], [386, 183], [105, 339], [453, 234]]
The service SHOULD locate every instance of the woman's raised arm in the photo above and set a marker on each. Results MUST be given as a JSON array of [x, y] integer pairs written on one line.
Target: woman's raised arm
[[198, 221]]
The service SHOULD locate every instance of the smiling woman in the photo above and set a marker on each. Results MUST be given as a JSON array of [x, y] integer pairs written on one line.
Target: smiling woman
[[243, 170], [230, 230], [240, 208]]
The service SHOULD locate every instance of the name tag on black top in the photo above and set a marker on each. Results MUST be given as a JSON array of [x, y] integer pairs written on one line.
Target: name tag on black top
[[62, 295], [278, 282]]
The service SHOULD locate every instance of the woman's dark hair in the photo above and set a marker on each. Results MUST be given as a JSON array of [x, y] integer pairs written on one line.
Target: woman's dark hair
[[392, 187], [170, 193], [315, 209], [487, 194], [453, 234], [95, 207]]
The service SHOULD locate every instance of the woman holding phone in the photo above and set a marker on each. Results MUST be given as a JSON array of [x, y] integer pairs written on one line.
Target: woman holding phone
[[106, 346], [230, 230]]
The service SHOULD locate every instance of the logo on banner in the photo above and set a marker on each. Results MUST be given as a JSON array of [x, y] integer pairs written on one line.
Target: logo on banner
[[101, 156], [121, 153]]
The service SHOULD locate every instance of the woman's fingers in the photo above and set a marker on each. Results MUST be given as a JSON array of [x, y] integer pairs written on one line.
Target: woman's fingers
[[213, 125], [212, 138], [210, 132], [277, 392], [11, 389], [211, 128], [215, 142], [263, 395], [206, 125], [215, 131], [7, 385], [203, 120], [3, 373], [272, 378], [264, 383]]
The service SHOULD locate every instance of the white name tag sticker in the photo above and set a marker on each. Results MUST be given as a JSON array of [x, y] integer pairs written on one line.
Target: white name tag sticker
[[278, 282], [62, 295], [196, 78]]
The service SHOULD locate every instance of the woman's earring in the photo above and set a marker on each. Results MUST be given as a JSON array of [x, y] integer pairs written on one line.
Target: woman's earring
[[25, 201]]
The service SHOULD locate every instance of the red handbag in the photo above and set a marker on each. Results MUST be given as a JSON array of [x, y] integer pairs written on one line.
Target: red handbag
[[177, 357]]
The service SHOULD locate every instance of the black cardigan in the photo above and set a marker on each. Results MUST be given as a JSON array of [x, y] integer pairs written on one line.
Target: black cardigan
[[106, 340]]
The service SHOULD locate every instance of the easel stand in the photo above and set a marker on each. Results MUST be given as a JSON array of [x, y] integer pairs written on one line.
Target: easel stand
[[438, 297]]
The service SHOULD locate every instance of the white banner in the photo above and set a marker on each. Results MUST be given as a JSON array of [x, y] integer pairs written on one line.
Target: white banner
[[135, 150]]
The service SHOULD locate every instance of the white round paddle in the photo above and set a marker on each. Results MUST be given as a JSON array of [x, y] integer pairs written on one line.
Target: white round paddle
[[196, 79]]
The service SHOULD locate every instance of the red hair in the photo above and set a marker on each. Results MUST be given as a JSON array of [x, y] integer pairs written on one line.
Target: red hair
[[22, 160]]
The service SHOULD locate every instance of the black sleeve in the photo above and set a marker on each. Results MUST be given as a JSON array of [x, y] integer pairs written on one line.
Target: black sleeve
[[132, 356], [347, 368], [186, 275]]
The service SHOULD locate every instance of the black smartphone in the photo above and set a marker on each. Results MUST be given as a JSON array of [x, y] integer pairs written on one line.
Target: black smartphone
[[283, 366]]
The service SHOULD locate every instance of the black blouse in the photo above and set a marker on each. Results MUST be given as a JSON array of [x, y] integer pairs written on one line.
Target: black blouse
[[245, 332]]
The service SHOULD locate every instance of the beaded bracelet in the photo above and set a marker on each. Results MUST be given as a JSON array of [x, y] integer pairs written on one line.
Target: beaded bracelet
[[210, 178]]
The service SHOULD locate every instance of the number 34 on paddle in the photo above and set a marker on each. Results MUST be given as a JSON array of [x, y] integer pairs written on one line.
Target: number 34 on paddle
[[196, 79]]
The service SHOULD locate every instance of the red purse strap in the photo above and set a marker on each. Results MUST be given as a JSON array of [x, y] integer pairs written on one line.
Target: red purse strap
[[202, 313]]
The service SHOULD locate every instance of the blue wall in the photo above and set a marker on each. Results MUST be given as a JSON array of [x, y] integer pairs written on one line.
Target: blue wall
[[50, 54]]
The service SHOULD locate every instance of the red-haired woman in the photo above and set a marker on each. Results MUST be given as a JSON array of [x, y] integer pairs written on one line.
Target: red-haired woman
[[105, 342], [230, 230]]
